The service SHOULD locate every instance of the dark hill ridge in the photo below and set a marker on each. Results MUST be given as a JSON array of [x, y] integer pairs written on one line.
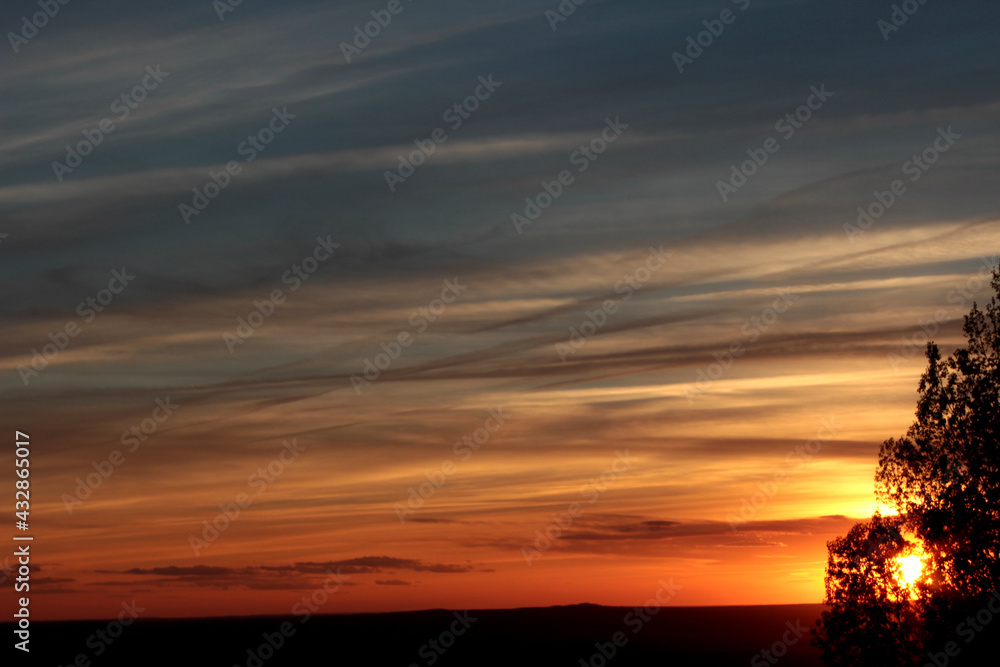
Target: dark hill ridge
[[568, 636]]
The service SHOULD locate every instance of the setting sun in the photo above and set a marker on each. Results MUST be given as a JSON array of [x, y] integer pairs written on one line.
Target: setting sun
[[911, 568]]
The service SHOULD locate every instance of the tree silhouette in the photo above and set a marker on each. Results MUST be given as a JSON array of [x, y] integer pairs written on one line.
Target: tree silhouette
[[872, 621], [943, 478]]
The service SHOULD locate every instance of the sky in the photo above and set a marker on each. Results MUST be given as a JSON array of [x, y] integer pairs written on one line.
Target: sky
[[498, 308]]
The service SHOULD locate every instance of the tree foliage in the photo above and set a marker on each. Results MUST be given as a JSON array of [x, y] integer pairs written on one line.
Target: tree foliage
[[943, 479], [871, 621]]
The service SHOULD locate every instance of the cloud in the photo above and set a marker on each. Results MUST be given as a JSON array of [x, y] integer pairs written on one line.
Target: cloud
[[293, 576], [52, 585], [324, 175], [174, 571], [379, 563], [607, 534]]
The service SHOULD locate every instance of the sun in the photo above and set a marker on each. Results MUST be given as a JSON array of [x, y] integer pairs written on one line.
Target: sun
[[911, 568]]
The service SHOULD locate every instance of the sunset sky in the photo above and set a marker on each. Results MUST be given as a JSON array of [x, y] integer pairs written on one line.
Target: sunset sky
[[828, 324]]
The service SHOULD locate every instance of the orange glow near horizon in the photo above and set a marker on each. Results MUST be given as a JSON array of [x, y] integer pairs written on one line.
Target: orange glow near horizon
[[733, 494]]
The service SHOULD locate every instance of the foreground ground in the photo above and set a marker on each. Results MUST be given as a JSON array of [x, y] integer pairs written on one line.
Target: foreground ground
[[570, 636]]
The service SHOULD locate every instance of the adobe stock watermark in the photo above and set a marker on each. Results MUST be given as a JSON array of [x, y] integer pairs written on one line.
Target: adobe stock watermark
[[30, 27], [562, 12], [122, 106], [787, 126], [303, 610], [420, 320], [879, 539], [223, 7], [133, 438], [454, 116], [913, 168], [432, 651], [779, 649], [795, 458], [968, 630], [312, 603], [99, 642], [751, 331], [714, 28], [581, 158], [597, 318], [900, 15], [635, 620], [463, 449], [372, 29], [250, 148], [229, 513], [591, 492], [915, 344], [294, 277], [87, 310]]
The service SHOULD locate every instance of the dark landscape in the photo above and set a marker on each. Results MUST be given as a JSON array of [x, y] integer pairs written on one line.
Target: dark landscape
[[553, 637]]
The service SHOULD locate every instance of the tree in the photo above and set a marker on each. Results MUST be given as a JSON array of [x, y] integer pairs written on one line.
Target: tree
[[943, 478], [871, 622], [945, 473]]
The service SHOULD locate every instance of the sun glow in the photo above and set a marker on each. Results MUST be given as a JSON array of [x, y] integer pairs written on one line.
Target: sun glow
[[911, 568]]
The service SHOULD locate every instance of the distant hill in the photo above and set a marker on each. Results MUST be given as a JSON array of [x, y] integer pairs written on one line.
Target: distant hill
[[548, 637]]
